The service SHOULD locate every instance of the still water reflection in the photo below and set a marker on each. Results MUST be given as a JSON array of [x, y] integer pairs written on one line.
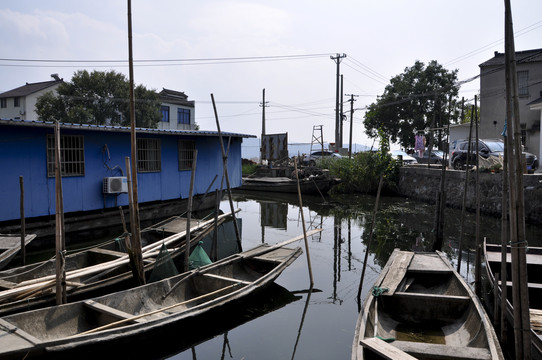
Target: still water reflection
[[287, 321]]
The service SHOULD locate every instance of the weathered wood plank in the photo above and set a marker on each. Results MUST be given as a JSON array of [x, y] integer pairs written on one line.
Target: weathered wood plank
[[397, 271], [384, 349], [427, 350]]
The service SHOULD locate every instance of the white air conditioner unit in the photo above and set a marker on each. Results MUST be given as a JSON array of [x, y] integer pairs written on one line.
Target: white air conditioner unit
[[115, 185]]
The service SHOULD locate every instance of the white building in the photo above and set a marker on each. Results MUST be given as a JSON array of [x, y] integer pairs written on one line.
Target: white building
[[177, 112], [20, 103]]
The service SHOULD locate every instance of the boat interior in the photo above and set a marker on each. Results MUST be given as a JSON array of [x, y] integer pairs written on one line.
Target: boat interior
[[183, 293], [430, 314]]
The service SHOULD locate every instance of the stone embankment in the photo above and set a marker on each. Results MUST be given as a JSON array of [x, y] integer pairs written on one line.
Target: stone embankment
[[422, 183]]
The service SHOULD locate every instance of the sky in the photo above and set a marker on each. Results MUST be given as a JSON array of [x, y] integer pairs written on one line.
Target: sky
[[234, 49]]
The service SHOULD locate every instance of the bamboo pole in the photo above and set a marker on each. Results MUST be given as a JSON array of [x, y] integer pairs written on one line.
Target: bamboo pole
[[478, 255], [23, 227], [189, 211], [370, 241], [522, 327], [134, 251], [225, 162], [465, 190], [504, 243], [136, 235], [303, 222], [59, 224]]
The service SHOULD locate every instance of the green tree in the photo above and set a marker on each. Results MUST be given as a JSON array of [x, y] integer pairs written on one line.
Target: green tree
[[99, 98], [410, 101]]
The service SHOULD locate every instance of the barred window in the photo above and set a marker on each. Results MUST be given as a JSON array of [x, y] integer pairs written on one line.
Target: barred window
[[186, 154], [72, 155], [148, 155]]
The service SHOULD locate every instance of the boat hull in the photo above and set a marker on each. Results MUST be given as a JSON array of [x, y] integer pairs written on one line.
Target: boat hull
[[143, 312], [427, 312]]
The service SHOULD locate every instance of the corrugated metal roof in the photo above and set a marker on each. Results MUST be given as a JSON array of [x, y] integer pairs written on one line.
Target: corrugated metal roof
[[38, 123], [29, 88]]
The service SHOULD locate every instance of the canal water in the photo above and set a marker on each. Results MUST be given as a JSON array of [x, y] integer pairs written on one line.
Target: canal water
[[288, 321]]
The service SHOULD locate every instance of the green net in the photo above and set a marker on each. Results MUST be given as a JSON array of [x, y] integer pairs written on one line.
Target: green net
[[164, 266], [199, 257]]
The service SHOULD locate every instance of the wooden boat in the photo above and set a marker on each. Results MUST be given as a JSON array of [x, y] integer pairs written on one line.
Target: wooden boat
[[492, 255], [92, 272], [309, 185], [427, 312], [125, 317], [10, 245]]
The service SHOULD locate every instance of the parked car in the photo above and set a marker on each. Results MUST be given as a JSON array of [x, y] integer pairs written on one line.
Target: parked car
[[437, 157], [407, 159], [486, 148], [317, 155]]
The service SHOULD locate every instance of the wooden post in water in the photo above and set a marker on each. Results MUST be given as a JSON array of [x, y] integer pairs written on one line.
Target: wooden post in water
[[189, 213], [60, 245], [136, 235], [478, 255], [370, 241], [135, 261], [466, 187], [505, 234], [303, 222], [225, 162], [522, 326], [23, 226]]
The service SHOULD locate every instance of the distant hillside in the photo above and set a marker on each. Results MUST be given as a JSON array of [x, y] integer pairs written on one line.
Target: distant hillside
[[250, 149]]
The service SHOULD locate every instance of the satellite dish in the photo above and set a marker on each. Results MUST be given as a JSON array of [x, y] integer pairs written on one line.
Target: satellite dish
[[21, 112]]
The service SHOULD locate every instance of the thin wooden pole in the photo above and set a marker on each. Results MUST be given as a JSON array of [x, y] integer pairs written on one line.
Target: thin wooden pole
[[59, 225], [135, 261], [465, 190], [478, 255], [370, 240], [23, 227], [504, 243], [522, 327], [189, 212], [136, 235], [303, 222], [225, 162]]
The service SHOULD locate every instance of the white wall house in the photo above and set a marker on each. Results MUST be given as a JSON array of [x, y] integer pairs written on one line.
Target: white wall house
[[177, 111], [20, 103], [493, 97]]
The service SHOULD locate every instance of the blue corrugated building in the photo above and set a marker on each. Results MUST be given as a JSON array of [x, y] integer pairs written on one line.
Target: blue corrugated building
[[93, 166]]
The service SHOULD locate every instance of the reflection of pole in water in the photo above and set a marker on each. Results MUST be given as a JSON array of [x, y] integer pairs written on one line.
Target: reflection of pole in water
[[335, 259], [302, 321], [349, 244], [226, 344], [194, 357]]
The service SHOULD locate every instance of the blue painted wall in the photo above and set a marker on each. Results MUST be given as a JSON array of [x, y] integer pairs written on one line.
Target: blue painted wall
[[23, 152]]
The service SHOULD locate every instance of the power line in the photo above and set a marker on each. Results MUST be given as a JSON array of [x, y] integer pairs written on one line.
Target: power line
[[19, 62]]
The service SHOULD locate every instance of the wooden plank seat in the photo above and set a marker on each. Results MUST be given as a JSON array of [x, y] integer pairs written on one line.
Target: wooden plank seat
[[387, 351], [440, 351], [108, 252], [112, 311]]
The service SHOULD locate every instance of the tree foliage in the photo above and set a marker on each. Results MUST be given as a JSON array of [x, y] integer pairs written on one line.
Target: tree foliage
[[100, 98], [410, 101]]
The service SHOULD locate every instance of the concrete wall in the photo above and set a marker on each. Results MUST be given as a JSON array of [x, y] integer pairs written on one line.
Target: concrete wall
[[421, 183]]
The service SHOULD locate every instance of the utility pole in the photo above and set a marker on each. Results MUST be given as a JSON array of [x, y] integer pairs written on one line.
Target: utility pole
[[337, 60], [263, 105], [341, 133], [351, 122]]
